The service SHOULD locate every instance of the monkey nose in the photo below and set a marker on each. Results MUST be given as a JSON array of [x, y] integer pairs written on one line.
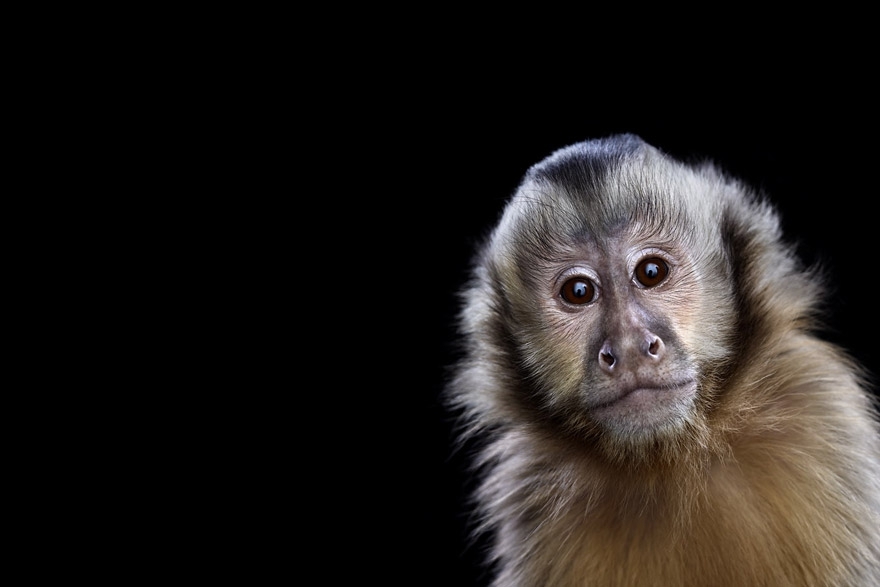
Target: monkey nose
[[649, 349]]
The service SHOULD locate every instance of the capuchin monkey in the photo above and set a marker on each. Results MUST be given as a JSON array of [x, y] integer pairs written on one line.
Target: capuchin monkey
[[645, 391]]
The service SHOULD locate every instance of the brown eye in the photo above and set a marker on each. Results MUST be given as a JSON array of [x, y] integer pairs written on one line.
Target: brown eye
[[578, 290], [651, 271]]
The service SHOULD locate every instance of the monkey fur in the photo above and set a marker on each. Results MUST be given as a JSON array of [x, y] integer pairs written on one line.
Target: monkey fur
[[645, 392]]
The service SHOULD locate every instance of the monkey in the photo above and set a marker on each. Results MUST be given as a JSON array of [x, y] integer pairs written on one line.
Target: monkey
[[644, 389]]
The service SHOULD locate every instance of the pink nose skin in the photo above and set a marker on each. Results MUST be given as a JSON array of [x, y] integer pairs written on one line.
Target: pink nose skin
[[650, 349]]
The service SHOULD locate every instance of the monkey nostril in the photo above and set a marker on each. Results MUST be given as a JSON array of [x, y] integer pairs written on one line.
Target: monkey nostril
[[655, 347], [607, 359]]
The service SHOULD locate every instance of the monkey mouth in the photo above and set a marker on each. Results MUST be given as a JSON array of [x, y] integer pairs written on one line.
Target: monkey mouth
[[642, 398]]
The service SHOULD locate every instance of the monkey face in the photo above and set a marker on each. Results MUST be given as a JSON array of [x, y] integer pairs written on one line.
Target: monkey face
[[616, 310], [605, 333]]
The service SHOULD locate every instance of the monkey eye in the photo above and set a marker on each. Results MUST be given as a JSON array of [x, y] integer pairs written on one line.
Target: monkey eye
[[578, 290], [651, 271]]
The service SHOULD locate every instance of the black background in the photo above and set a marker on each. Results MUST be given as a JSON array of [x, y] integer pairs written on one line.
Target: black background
[[441, 185]]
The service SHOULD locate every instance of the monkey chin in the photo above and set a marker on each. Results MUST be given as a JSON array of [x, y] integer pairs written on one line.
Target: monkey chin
[[640, 415]]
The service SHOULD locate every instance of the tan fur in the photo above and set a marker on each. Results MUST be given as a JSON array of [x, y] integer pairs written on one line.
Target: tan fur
[[770, 475]]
